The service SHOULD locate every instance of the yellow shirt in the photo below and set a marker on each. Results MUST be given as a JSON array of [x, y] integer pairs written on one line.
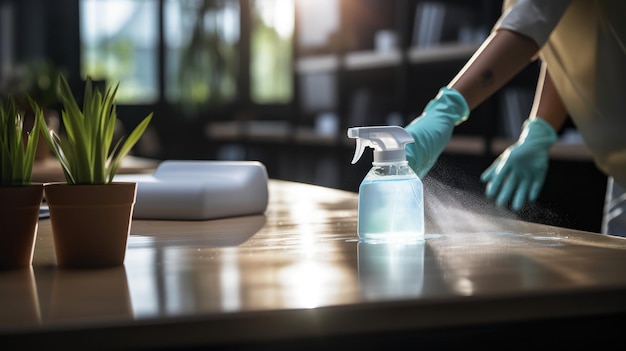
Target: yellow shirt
[[583, 43]]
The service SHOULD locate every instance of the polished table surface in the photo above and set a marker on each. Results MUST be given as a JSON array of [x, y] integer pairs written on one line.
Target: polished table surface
[[298, 272]]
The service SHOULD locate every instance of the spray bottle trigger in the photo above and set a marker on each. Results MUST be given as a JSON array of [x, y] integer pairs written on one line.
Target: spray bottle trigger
[[360, 148]]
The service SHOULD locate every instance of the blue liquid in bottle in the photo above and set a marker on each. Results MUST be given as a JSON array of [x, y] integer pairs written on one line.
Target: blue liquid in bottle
[[391, 205]]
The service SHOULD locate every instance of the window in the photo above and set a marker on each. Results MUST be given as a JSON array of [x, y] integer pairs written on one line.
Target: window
[[200, 50], [201, 39], [119, 42], [271, 51]]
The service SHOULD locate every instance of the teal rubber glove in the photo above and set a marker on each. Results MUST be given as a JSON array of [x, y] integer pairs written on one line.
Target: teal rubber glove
[[519, 172], [432, 129]]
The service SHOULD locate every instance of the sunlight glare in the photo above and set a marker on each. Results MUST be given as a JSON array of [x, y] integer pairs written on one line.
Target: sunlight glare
[[278, 14], [105, 17]]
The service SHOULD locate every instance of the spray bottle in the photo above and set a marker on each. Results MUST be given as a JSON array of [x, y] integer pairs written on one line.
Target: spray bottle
[[391, 196]]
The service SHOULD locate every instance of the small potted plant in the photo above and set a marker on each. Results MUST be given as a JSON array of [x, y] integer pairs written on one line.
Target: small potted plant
[[90, 213], [19, 198]]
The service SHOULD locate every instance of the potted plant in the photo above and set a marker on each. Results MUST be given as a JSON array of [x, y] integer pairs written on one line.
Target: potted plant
[[90, 213], [19, 199]]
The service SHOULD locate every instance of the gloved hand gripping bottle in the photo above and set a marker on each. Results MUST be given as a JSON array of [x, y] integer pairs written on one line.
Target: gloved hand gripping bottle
[[391, 196]]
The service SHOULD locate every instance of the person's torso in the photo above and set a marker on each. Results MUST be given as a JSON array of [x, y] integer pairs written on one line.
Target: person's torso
[[586, 58]]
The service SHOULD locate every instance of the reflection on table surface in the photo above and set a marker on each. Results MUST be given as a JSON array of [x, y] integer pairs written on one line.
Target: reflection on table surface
[[300, 263]]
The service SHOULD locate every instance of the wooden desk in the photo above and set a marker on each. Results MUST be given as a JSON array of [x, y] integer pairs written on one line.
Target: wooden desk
[[297, 278]]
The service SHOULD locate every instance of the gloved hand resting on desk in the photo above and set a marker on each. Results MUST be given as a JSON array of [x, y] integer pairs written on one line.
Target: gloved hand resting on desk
[[433, 128], [519, 172]]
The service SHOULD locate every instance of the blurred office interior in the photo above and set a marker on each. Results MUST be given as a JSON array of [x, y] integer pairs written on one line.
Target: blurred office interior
[[279, 81]]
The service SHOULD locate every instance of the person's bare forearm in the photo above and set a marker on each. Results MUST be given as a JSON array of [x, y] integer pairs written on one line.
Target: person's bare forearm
[[503, 55], [548, 104]]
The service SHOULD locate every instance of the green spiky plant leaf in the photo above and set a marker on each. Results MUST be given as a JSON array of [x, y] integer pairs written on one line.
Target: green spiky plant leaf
[[86, 151], [17, 150]]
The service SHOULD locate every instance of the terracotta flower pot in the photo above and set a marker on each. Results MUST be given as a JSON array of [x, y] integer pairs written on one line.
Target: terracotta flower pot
[[90, 223], [19, 217]]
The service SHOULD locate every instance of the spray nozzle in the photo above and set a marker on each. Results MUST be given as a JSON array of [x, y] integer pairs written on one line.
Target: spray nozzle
[[387, 141]]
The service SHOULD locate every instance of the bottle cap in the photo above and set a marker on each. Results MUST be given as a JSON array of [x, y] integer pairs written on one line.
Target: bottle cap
[[388, 142]]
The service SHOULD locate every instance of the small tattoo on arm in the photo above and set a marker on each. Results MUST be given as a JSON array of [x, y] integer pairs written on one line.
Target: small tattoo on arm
[[487, 77]]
